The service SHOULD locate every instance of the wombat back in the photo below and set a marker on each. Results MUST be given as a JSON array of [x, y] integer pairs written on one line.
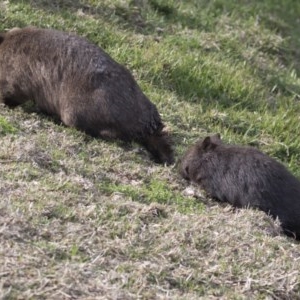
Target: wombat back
[[245, 177]]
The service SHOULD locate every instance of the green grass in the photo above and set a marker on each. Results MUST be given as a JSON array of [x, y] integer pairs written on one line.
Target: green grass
[[154, 191], [6, 127], [83, 218]]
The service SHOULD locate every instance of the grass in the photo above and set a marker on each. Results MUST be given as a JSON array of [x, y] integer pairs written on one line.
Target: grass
[[82, 218]]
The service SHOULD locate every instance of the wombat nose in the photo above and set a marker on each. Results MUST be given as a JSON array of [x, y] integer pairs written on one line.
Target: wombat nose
[[185, 172]]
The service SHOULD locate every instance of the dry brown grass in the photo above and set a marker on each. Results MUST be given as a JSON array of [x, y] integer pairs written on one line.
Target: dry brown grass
[[63, 237]]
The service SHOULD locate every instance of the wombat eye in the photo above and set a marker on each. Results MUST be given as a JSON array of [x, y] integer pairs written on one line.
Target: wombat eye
[[187, 170]]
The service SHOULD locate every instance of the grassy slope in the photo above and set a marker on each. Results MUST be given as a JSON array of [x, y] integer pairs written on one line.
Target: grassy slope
[[83, 218]]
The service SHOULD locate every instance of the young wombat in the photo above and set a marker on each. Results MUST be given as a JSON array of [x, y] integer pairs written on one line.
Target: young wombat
[[68, 76], [245, 177]]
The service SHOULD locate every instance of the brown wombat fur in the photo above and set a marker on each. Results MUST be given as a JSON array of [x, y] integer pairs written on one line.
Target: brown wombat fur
[[68, 76], [245, 177]]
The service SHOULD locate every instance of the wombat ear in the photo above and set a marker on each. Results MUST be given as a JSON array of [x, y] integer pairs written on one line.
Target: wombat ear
[[216, 138], [209, 143]]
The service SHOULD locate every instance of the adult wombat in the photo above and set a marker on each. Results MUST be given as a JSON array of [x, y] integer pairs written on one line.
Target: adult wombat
[[68, 76], [245, 177]]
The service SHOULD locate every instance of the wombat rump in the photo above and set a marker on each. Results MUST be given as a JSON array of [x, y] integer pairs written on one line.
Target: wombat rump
[[77, 81], [245, 177]]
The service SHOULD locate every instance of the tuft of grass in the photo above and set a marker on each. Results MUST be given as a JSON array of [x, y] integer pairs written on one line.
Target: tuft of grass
[[6, 127]]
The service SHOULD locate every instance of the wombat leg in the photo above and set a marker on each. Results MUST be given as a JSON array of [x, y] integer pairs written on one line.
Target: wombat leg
[[108, 134], [9, 95], [68, 117], [3, 85], [11, 101], [72, 119], [160, 146], [290, 231]]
